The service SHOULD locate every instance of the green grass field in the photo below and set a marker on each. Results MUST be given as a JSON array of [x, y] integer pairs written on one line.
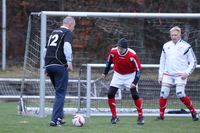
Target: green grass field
[[13, 123]]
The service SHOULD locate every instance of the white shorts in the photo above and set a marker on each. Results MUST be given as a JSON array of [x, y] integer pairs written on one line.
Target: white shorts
[[122, 81], [173, 80]]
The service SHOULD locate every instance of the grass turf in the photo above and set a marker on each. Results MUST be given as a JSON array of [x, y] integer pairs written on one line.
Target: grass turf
[[13, 123]]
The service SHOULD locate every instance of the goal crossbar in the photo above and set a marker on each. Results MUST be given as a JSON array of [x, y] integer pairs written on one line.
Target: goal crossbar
[[122, 14]]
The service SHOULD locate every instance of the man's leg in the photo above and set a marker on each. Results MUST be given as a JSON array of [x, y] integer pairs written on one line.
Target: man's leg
[[138, 103], [164, 93], [61, 81], [180, 92], [112, 104]]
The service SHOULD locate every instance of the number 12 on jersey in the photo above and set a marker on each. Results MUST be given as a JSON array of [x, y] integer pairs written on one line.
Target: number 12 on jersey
[[53, 40]]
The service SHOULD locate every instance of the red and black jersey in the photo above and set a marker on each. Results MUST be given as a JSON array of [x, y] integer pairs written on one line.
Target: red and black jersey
[[124, 64]]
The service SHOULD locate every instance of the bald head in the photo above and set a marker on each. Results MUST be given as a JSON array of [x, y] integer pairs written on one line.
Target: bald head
[[69, 22]]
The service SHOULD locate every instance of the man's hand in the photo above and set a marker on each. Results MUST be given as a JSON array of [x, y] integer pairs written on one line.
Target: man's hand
[[46, 73], [70, 67], [184, 76], [103, 76], [160, 80], [133, 85]]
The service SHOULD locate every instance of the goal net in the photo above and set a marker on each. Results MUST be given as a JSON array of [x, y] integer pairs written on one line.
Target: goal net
[[95, 34]]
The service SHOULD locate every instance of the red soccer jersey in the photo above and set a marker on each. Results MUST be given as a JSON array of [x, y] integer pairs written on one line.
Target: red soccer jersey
[[126, 63]]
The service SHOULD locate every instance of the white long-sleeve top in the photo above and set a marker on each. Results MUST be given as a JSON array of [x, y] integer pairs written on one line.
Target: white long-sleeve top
[[68, 52], [177, 58]]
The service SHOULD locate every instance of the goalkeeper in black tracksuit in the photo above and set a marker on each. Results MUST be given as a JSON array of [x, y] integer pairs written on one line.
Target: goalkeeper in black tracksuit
[[58, 61]]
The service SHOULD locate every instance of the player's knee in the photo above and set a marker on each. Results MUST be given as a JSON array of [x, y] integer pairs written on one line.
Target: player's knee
[[112, 91], [180, 94], [134, 94], [164, 93], [180, 91]]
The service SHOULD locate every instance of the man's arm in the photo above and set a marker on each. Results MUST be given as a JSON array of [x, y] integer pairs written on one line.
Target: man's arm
[[137, 63], [137, 77], [192, 61], [161, 66], [109, 61], [68, 54]]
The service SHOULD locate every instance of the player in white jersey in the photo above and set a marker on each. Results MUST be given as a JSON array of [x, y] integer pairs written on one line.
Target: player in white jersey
[[177, 62]]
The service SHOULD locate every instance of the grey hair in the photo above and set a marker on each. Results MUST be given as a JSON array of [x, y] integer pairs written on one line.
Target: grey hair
[[175, 28], [68, 20]]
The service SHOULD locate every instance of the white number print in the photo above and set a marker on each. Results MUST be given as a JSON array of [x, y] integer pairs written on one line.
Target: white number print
[[52, 40]]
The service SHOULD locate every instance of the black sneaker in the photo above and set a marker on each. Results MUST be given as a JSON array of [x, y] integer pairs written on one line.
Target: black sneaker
[[140, 120], [195, 116], [53, 124], [159, 118], [114, 120], [60, 121]]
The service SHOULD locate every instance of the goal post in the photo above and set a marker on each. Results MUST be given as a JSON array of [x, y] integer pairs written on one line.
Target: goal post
[[44, 15]]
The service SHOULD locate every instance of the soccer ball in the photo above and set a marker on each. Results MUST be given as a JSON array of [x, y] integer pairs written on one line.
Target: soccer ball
[[78, 120]]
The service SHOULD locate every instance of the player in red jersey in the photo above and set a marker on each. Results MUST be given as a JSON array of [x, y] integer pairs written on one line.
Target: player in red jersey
[[127, 69]]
